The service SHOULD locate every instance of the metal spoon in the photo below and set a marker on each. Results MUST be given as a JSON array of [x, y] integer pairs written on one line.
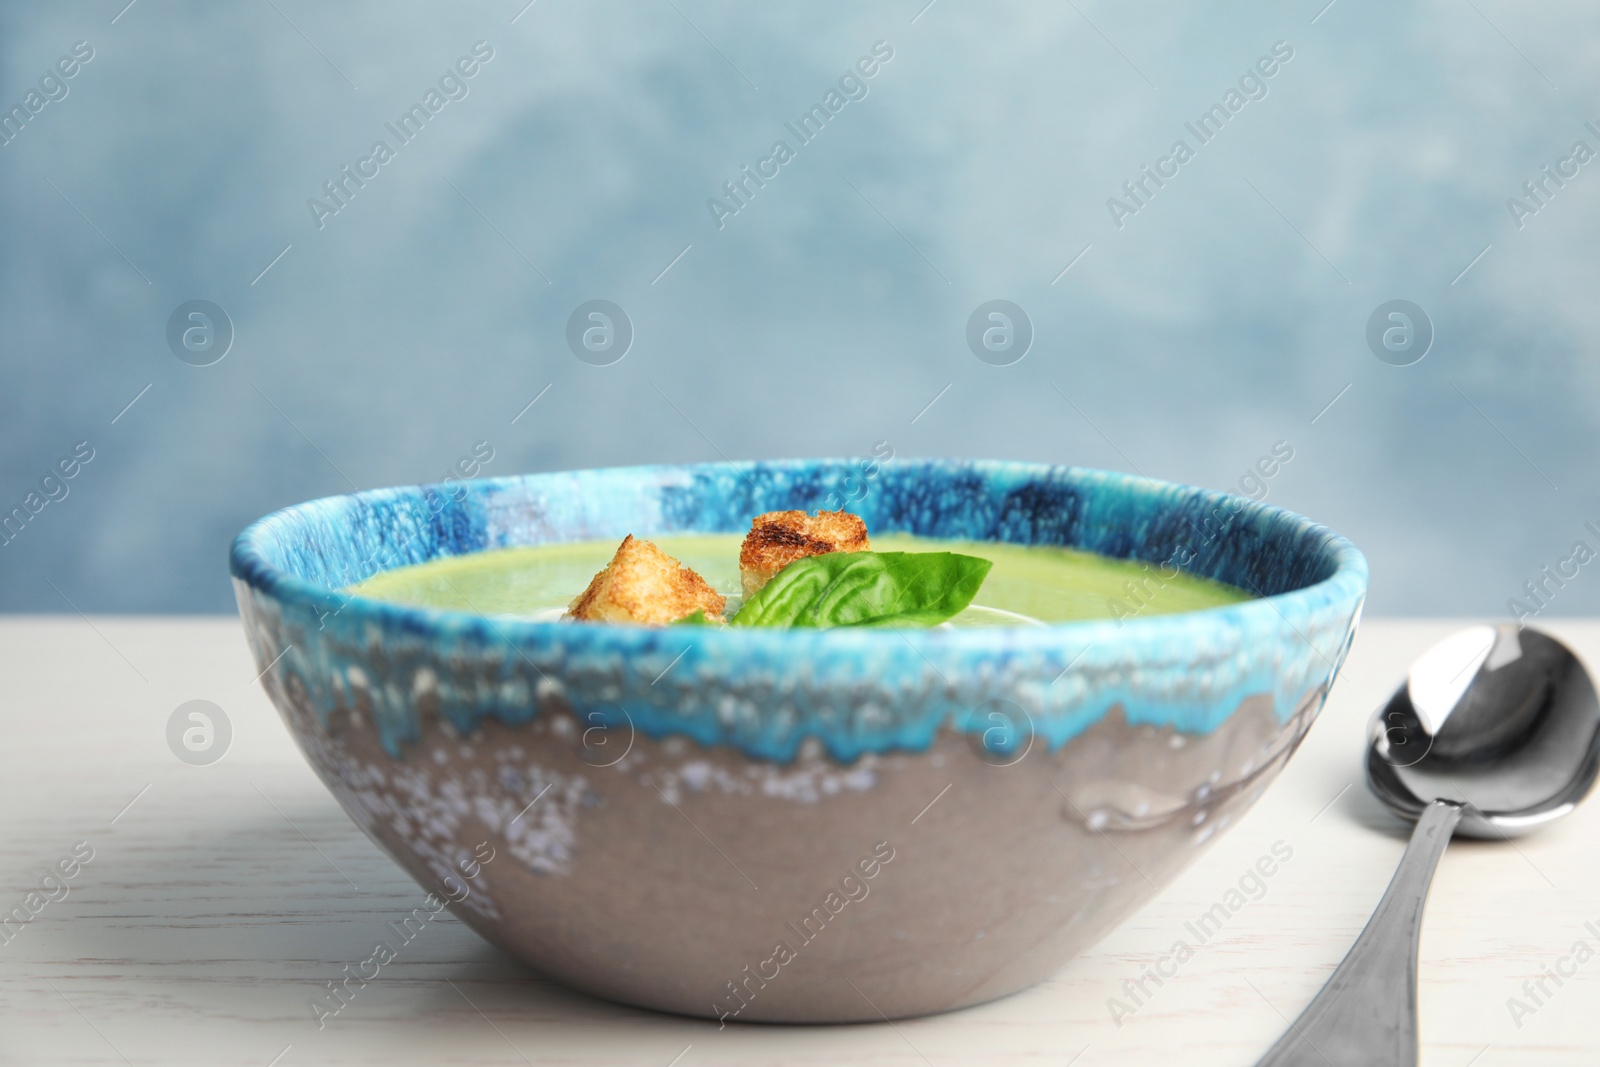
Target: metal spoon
[[1495, 733]]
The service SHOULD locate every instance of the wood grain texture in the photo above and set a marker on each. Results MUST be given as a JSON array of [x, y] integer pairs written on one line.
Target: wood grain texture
[[218, 904]]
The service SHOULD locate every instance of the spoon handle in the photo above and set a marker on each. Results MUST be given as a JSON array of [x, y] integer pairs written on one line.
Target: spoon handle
[[1367, 1013]]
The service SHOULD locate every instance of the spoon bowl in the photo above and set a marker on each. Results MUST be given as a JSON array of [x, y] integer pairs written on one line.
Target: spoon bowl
[[1502, 721]]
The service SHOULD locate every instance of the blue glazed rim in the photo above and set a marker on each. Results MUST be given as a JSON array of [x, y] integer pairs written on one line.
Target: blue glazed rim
[[1311, 583], [1344, 567]]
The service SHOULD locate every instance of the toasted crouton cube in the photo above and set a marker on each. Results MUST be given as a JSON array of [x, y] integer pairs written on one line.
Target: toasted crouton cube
[[778, 538], [645, 586]]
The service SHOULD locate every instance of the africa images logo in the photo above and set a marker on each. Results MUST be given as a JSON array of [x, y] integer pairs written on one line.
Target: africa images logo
[[740, 190], [452, 85], [1142, 188]]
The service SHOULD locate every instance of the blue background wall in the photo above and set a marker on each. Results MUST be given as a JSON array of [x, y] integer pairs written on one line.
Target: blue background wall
[[1219, 319]]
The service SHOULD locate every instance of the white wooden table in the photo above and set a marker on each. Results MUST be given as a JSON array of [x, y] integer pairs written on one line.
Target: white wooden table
[[220, 898]]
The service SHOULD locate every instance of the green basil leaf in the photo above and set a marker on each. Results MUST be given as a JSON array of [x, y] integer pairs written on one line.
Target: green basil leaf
[[697, 617], [866, 589]]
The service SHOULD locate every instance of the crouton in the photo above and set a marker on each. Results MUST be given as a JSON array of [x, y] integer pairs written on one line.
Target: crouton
[[778, 538], [644, 585]]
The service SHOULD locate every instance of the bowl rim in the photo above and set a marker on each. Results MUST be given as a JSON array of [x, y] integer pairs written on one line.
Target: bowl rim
[[1346, 582]]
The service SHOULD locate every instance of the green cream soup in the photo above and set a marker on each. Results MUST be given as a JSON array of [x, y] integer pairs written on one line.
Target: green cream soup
[[1029, 584]]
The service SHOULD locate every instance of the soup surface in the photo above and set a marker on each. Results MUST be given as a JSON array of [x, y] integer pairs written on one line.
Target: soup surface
[[1029, 584]]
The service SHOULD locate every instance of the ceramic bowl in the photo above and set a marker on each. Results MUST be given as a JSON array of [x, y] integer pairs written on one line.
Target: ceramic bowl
[[797, 826]]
